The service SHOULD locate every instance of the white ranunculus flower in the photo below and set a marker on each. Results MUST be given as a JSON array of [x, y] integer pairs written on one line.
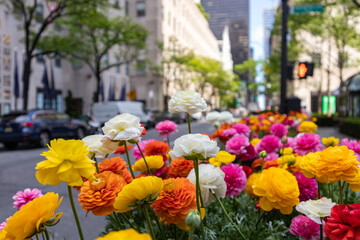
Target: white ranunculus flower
[[226, 117], [187, 101], [123, 127], [316, 209], [98, 147], [213, 117], [210, 178], [194, 144]]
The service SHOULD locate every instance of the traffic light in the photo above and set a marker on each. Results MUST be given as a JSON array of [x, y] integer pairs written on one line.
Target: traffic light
[[305, 69]]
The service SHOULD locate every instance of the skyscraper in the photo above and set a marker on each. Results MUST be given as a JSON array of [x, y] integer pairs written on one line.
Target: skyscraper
[[269, 18], [235, 15]]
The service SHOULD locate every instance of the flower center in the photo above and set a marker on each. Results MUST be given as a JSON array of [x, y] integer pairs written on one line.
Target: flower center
[[98, 184]]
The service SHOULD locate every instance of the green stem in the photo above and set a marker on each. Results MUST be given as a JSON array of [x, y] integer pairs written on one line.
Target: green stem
[[142, 154], [96, 163], [148, 222], [161, 230], [262, 164], [75, 213], [346, 192], [198, 195], [191, 234], [128, 160], [340, 200], [258, 221], [47, 234], [227, 215], [127, 220], [117, 219], [37, 238], [318, 185], [188, 120], [321, 230], [290, 169]]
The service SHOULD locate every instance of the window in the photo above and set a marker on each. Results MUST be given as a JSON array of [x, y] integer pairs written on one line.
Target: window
[[106, 60], [39, 12], [140, 8], [57, 61], [39, 56], [140, 67], [116, 3], [117, 65], [127, 69], [127, 8]]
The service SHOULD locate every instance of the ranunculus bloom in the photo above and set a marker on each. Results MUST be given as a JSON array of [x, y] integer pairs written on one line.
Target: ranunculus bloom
[[271, 156], [242, 129], [255, 141], [237, 145], [116, 165], [99, 147], [121, 149], [307, 127], [247, 170], [235, 179], [221, 158], [229, 132], [308, 164], [3, 224], [308, 187], [68, 161], [330, 141], [123, 127], [278, 189], [213, 117], [180, 167], [226, 117], [194, 145], [31, 217], [99, 195], [187, 101], [344, 223], [156, 148], [138, 190], [125, 234], [305, 227], [306, 143], [210, 178], [175, 200], [22, 198], [352, 145], [166, 128], [153, 162], [269, 143], [278, 130], [136, 152], [316, 209], [250, 183]]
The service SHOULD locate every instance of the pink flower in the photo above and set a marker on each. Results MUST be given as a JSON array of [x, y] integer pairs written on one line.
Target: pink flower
[[242, 129], [352, 145], [166, 128], [278, 130], [22, 198], [229, 132], [235, 179], [269, 143], [136, 153], [271, 156], [290, 142], [307, 186], [306, 143], [237, 145], [288, 122], [249, 154], [3, 224], [305, 227]]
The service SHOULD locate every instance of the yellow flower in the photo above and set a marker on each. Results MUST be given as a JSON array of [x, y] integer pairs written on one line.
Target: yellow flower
[[308, 164], [125, 234], [2, 234], [278, 189], [33, 217], [222, 157], [307, 127], [354, 182], [255, 141], [330, 141], [154, 162], [249, 184], [286, 160], [66, 161], [140, 189], [286, 151]]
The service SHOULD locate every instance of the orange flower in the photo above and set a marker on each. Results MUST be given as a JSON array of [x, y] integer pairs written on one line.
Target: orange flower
[[116, 165], [256, 165], [121, 149], [99, 195], [180, 167], [156, 148], [175, 200]]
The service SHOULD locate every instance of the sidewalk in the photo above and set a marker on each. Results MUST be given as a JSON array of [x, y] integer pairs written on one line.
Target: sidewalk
[[332, 132]]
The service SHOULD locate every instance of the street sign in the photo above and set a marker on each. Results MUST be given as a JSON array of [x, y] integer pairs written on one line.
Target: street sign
[[297, 9]]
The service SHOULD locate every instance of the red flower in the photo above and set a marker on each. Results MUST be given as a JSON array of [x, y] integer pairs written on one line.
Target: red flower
[[121, 149], [144, 130], [344, 223], [247, 170]]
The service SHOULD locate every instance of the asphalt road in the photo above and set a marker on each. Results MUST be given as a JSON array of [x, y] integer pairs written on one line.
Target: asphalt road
[[17, 172]]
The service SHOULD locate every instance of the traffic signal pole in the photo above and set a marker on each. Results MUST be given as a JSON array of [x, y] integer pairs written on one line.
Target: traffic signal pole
[[285, 12]]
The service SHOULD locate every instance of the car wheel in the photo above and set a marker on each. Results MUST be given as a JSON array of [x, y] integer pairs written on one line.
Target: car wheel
[[80, 133], [44, 139], [10, 146]]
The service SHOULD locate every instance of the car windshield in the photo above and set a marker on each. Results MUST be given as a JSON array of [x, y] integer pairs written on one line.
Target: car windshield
[[13, 117]]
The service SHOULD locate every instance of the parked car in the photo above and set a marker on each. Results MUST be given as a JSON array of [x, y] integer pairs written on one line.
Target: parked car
[[101, 112], [39, 126], [176, 117]]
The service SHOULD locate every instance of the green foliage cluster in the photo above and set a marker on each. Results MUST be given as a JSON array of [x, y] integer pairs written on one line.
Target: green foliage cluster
[[351, 127]]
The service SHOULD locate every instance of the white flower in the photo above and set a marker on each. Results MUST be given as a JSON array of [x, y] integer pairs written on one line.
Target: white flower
[[226, 117], [123, 127], [210, 178], [194, 144], [187, 101], [213, 117], [316, 209], [98, 147]]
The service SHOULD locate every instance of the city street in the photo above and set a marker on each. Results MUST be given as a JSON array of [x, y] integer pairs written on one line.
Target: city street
[[17, 172]]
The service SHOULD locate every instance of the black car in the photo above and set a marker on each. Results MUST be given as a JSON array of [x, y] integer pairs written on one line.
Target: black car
[[39, 126]]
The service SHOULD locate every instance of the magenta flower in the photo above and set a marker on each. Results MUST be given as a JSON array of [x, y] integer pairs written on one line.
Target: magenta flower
[[352, 145], [290, 142], [306, 143], [242, 129], [278, 130], [3, 224], [237, 145], [249, 154], [166, 128], [235, 179], [22, 198], [136, 152], [305, 227], [307, 186], [229, 132], [271, 156], [269, 143]]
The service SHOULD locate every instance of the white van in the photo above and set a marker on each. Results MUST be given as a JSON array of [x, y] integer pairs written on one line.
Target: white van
[[103, 111]]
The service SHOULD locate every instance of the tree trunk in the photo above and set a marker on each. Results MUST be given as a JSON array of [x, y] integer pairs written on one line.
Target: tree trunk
[[98, 83], [26, 81]]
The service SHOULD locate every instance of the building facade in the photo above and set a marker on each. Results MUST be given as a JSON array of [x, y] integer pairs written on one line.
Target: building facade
[[269, 18]]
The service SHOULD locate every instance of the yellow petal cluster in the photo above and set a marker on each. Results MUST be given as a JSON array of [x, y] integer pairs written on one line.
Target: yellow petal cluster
[[221, 158], [308, 164], [139, 189], [154, 162], [307, 127], [249, 184], [31, 216], [330, 141], [66, 161], [255, 141], [2, 234], [125, 234], [278, 189], [286, 160], [286, 151]]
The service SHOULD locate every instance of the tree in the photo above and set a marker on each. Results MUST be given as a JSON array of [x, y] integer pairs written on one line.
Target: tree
[[247, 72]]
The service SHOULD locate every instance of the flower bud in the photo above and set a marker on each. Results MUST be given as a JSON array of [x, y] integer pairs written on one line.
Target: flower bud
[[263, 154], [284, 140], [193, 218]]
